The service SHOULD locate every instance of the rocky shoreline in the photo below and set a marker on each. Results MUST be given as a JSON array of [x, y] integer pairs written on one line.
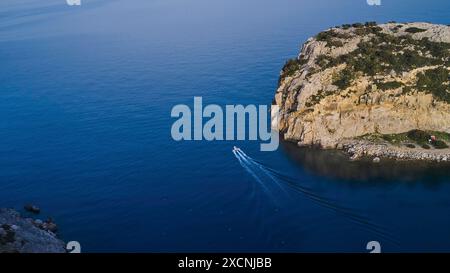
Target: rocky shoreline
[[358, 149], [27, 235]]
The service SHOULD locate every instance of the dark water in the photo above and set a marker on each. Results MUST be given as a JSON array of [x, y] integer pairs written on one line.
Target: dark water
[[85, 100]]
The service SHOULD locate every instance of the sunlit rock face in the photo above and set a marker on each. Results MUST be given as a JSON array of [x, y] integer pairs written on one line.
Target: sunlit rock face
[[362, 79]]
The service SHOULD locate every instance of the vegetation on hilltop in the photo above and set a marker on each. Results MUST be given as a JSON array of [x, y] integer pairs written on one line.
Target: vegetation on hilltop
[[383, 54]]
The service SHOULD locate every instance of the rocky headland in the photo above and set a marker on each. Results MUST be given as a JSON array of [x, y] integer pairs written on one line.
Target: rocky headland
[[376, 90]]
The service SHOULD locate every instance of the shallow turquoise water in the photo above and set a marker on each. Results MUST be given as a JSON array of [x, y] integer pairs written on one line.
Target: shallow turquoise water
[[85, 100]]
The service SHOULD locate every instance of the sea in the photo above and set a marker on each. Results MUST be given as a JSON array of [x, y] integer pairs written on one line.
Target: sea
[[86, 93]]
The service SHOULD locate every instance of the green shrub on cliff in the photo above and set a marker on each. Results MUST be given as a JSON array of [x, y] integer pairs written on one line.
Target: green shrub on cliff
[[439, 50], [371, 24], [367, 30], [439, 144], [389, 85], [418, 136], [435, 82], [411, 146], [290, 67], [346, 26], [344, 79], [322, 60], [425, 146], [332, 38], [415, 30]]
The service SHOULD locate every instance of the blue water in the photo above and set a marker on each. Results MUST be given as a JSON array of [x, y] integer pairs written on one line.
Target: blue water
[[85, 100]]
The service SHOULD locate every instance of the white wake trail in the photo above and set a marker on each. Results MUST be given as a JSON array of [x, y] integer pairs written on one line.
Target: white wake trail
[[250, 171], [251, 161], [280, 179]]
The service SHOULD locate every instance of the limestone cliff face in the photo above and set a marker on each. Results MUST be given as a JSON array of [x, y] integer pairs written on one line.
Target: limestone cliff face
[[362, 79]]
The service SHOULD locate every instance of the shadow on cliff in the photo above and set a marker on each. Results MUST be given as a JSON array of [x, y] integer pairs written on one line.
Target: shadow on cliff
[[337, 165]]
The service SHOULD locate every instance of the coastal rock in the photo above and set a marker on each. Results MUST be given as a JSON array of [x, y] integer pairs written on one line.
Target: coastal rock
[[368, 79], [38, 222], [32, 208], [20, 235], [49, 225]]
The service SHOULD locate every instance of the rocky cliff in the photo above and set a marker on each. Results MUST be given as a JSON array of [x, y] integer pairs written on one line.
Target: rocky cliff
[[368, 81]]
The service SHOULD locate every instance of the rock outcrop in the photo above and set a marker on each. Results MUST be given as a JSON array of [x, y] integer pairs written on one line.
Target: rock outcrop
[[359, 80], [25, 235]]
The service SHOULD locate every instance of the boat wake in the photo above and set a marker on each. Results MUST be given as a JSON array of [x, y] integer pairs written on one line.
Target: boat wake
[[261, 173]]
